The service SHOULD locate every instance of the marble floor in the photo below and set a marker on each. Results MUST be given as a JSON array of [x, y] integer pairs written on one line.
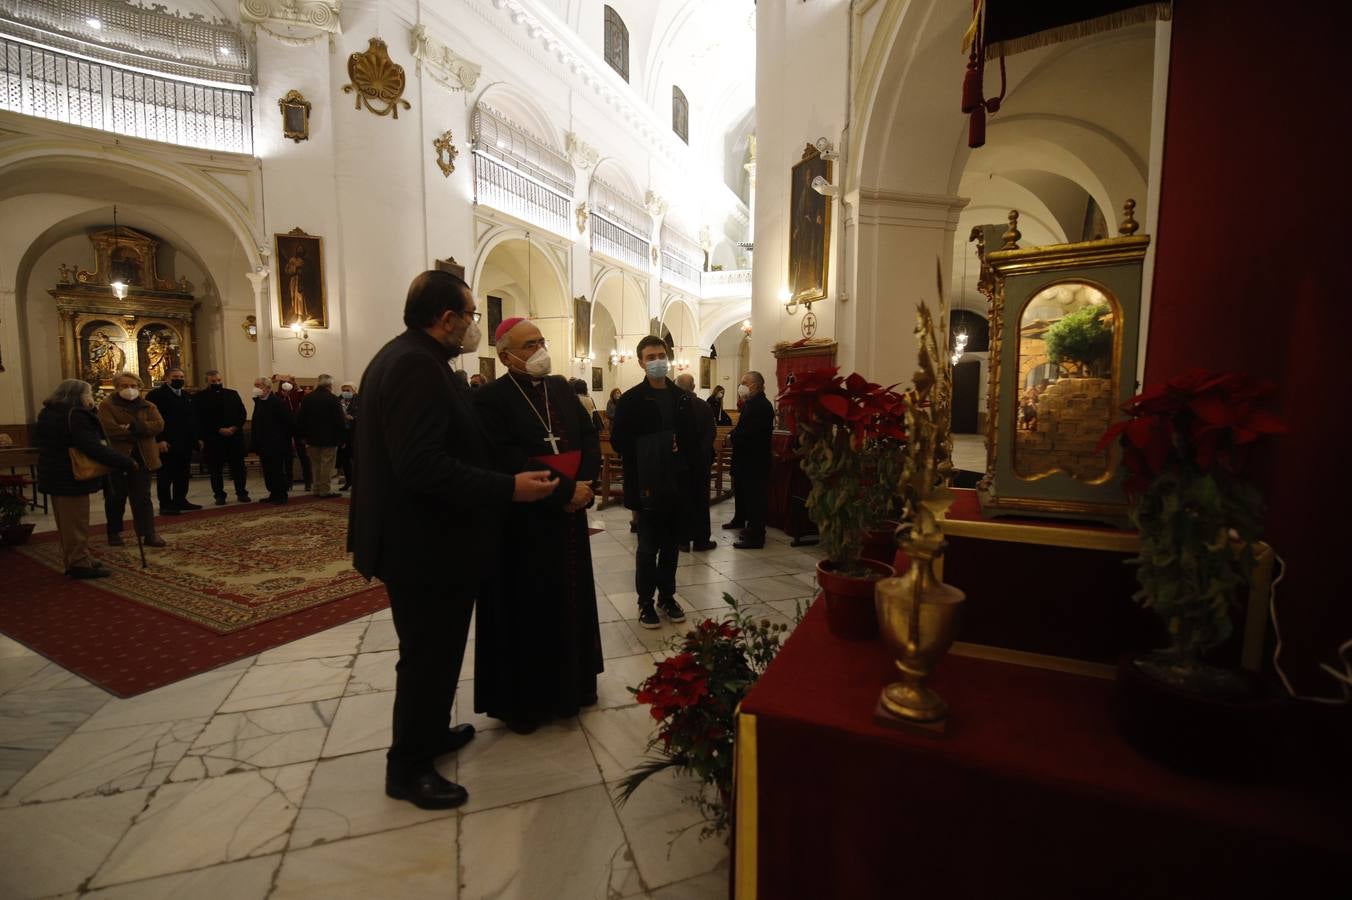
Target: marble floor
[[264, 778]]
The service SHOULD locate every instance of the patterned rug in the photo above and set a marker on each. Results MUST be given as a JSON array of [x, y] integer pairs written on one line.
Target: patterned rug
[[232, 583]]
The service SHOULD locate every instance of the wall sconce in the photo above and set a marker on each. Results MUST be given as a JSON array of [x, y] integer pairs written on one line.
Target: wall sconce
[[682, 365], [298, 331], [580, 360], [824, 187], [825, 149], [791, 303], [746, 327], [618, 358]]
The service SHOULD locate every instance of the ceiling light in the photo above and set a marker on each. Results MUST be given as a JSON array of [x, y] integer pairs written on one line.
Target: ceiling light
[[225, 51], [93, 23]]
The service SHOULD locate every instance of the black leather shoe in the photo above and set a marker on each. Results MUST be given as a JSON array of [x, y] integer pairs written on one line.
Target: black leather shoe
[[734, 525], [684, 548], [427, 790], [220, 501], [82, 573], [116, 540], [188, 507], [700, 546], [243, 498], [170, 511], [750, 542], [521, 726], [456, 738]]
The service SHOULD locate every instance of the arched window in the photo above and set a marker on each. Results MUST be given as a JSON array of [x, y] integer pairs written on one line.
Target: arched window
[[617, 43], [680, 114]]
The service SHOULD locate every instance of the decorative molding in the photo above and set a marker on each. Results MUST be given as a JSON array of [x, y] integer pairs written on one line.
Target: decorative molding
[[446, 152], [582, 154], [448, 68], [655, 204], [583, 213], [897, 208], [377, 80], [296, 19]]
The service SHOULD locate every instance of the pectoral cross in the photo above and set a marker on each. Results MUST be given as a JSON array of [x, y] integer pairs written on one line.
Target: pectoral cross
[[553, 442]]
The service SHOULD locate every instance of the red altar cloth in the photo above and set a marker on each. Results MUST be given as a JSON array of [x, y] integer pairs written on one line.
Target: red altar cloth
[[1031, 794]]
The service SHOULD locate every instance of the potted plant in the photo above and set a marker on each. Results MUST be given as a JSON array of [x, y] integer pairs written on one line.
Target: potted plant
[[841, 423], [882, 466], [13, 531], [1184, 445]]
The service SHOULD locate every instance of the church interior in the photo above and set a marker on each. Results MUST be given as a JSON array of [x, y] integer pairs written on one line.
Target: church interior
[[1086, 202]]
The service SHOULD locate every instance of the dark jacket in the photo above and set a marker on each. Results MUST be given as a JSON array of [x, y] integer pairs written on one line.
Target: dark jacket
[[707, 430], [426, 505], [716, 407], [217, 410], [61, 427], [751, 436], [320, 421], [272, 426], [180, 418], [636, 415]]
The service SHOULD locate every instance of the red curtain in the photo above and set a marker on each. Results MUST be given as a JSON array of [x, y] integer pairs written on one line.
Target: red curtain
[[1250, 249]]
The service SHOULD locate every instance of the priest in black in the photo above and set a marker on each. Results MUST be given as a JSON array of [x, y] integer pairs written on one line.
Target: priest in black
[[180, 434], [539, 643]]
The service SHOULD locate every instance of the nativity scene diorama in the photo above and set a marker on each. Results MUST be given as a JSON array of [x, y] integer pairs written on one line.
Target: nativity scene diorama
[[123, 315]]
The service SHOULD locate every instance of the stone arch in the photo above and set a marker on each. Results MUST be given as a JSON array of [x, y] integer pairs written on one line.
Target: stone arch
[[519, 106], [545, 267]]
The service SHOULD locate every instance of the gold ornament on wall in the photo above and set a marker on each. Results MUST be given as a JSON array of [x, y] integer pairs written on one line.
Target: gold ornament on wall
[[446, 153], [377, 80], [295, 116], [250, 326]]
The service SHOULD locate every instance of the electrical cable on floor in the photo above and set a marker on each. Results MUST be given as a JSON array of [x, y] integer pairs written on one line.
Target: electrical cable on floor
[[1344, 678]]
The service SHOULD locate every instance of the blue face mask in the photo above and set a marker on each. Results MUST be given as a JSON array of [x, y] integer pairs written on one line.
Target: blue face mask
[[658, 368]]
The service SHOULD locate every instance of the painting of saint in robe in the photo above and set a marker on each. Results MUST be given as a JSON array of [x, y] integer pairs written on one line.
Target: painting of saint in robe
[[300, 280], [159, 347], [104, 357], [809, 229]]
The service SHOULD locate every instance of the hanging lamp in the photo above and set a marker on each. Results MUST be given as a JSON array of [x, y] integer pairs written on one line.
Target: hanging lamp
[[115, 269]]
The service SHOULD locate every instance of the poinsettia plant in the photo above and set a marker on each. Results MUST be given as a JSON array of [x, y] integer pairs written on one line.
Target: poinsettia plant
[[694, 695], [850, 432], [1184, 445]]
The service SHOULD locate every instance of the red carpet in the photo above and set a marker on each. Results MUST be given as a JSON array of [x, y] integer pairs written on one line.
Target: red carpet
[[224, 598]]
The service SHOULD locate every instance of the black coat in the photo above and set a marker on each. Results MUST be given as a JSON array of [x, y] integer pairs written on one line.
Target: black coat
[[320, 421], [272, 426], [217, 410], [706, 426], [636, 415], [751, 436], [180, 418], [426, 506], [61, 427]]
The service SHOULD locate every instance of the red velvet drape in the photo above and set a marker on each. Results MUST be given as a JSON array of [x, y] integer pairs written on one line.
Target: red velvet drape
[[1249, 270]]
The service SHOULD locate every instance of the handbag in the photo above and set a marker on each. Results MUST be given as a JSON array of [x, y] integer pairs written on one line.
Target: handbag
[[82, 466]]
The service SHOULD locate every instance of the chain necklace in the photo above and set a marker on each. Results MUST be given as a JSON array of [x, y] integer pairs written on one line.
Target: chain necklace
[[548, 426]]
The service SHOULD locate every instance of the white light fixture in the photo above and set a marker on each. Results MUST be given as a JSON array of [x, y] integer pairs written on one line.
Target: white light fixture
[[746, 326], [118, 284], [824, 187], [94, 23]]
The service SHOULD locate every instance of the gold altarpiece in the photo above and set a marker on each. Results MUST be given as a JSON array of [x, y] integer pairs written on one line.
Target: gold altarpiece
[[149, 331]]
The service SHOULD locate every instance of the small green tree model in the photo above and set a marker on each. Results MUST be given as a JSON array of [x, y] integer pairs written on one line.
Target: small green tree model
[[1082, 339]]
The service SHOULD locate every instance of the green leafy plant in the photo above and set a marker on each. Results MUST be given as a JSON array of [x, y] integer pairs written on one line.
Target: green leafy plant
[[12, 504], [1081, 339]]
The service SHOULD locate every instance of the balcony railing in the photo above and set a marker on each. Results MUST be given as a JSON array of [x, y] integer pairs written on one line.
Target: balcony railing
[[726, 283], [618, 242], [52, 85], [680, 273], [500, 186]]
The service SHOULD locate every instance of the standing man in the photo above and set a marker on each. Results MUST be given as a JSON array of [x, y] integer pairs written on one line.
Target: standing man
[[751, 459], [180, 438], [537, 660], [426, 515], [271, 440], [322, 427], [220, 416], [654, 432], [697, 528], [294, 395], [348, 399]]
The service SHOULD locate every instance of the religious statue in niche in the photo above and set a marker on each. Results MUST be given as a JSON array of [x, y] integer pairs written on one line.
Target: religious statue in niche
[[377, 80], [158, 349], [809, 228], [103, 355], [301, 299], [295, 116]]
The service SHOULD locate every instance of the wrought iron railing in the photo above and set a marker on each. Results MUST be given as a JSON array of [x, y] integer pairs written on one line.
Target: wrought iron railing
[[503, 187], [682, 259], [52, 85], [726, 283], [618, 242]]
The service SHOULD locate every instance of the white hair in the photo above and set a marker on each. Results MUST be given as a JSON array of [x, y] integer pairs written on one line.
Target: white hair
[[325, 381]]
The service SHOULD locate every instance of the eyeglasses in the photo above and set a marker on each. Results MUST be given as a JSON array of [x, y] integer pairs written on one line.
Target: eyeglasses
[[474, 316], [535, 345]]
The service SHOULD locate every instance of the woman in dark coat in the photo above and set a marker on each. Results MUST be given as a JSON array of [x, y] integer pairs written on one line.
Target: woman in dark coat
[[68, 420], [716, 404]]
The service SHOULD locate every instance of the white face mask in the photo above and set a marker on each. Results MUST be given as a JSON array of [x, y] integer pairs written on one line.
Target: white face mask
[[257, 392], [470, 341], [129, 393], [286, 385], [658, 368], [538, 364], [743, 391], [347, 395]]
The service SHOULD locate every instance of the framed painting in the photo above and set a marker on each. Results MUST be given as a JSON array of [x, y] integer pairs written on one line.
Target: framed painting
[[295, 116], [488, 368], [494, 319], [706, 373], [450, 265], [809, 228], [581, 327], [597, 383], [300, 280]]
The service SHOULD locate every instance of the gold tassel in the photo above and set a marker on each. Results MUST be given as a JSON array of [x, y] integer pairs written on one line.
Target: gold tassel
[[970, 35]]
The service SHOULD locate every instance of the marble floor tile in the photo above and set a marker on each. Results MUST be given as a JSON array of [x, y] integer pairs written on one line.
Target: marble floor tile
[[203, 823], [382, 615], [501, 767], [188, 699], [566, 846], [52, 677], [709, 886], [620, 582], [287, 683], [710, 596], [341, 640], [363, 722], [608, 550], [48, 848], [14, 670], [380, 635], [791, 609], [622, 673], [618, 639], [95, 763], [415, 863], [748, 568], [661, 638], [779, 587], [248, 879], [372, 672], [258, 739], [32, 723], [606, 610], [619, 738], [347, 799], [10, 648], [462, 711], [663, 832], [696, 574]]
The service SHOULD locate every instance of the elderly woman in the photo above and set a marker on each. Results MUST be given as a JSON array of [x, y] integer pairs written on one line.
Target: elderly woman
[[68, 421], [131, 423]]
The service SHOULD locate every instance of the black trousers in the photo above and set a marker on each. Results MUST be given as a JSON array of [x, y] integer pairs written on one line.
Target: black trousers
[[753, 492], [696, 525], [659, 535], [121, 488], [433, 625], [276, 475], [171, 481], [345, 462], [223, 451]]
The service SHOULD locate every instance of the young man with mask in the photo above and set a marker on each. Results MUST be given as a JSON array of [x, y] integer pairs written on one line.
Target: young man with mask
[[538, 638], [220, 416], [426, 517], [270, 437], [654, 432], [347, 398], [180, 437], [751, 459]]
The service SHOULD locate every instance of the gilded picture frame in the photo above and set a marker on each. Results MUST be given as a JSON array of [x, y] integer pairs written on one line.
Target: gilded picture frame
[[295, 116], [598, 379], [809, 228], [581, 327], [299, 261], [706, 372]]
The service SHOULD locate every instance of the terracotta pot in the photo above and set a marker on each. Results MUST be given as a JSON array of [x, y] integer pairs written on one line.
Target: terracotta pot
[[14, 535], [850, 612], [880, 543]]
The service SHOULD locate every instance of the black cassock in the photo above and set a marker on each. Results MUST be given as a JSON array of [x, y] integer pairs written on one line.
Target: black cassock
[[539, 643]]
